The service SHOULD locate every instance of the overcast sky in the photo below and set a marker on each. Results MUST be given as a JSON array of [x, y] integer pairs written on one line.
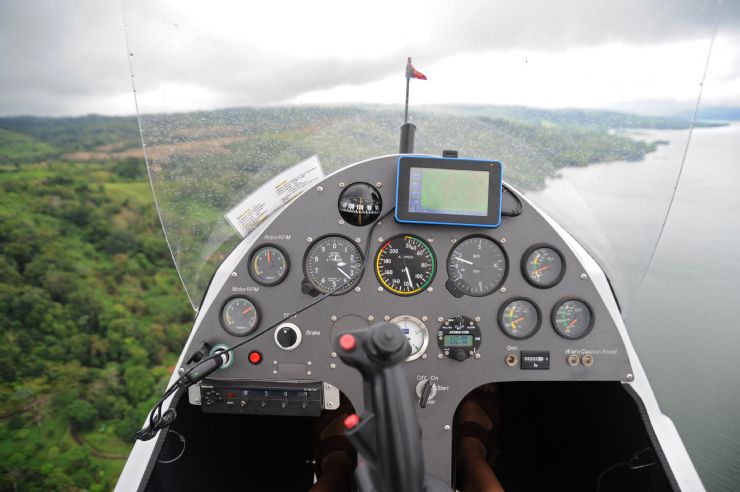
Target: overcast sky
[[66, 57]]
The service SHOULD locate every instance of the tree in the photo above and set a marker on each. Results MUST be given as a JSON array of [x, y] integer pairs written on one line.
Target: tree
[[81, 414]]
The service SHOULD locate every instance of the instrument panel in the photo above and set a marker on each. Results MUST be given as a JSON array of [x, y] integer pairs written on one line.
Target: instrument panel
[[478, 305]]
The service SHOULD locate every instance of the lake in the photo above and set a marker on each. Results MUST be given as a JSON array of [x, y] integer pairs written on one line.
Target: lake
[[681, 320]]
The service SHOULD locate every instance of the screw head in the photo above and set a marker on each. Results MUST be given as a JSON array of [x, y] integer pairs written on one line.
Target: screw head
[[386, 318], [309, 239], [630, 377], [440, 319], [447, 427], [341, 222], [453, 240], [319, 189], [503, 289], [308, 363], [357, 289], [378, 184], [334, 354], [380, 239], [181, 370], [477, 319], [380, 289], [274, 371], [477, 355], [358, 240], [333, 317], [503, 240], [584, 276], [332, 366], [234, 274], [370, 318], [308, 373], [440, 356], [430, 289], [423, 356], [341, 185], [424, 318]]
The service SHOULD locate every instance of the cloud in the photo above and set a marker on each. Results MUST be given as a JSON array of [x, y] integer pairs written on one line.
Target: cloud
[[68, 56]]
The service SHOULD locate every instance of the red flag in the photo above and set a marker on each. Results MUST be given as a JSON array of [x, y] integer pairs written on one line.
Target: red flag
[[412, 73]]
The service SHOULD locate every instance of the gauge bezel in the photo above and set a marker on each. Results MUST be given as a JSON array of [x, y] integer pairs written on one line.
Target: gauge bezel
[[497, 243], [340, 291], [428, 283], [221, 317], [562, 301], [424, 344], [344, 190], [255, 251], [523, 265], [503, 308]]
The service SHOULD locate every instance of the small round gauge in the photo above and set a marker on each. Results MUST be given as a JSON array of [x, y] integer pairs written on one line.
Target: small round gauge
[[333, 264], [360, 204], [405, 265], [519, 318], [239, 316], [476, 266], [268, 265], [572, 318], [416, 332], [543, 266]]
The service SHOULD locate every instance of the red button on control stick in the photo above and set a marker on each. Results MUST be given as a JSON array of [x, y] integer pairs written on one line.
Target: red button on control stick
[[255, 357], [348, 342], [351, 421]]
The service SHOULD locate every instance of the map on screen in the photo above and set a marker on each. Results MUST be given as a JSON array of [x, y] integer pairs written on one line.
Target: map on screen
[[448, 191]]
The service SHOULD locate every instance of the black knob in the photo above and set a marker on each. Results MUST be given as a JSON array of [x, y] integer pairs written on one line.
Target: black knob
[[286, 337], [460, 355]]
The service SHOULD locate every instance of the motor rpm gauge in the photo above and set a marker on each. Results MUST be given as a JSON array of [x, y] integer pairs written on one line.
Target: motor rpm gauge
[[268, 265], [416, 333], [476, 266], [543, 266], [332, 264], [572, 319], [519, 318], [360, 204], [239, 316], [405, 265]]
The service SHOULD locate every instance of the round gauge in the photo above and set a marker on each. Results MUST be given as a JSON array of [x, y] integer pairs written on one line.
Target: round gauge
[[459, 337], [405, 265], [239, 316], [572, 319], [476, 266], [416, 332], [519, 318], [360, 204], [543, 266], [333, 264], [268, 265]]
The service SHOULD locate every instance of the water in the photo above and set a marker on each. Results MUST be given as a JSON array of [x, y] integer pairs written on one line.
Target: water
[[683, 321]]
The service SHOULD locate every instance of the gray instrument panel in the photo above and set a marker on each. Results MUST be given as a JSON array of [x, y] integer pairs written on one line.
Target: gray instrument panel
[[314, 215]]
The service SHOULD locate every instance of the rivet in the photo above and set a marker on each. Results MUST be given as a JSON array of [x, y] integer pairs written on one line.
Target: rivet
[[274, 363], [380, 239], [430, 289], [308, 373], [503, 240], [275, 371], [440, 319], [424, 318], [423, 356], [308, 363], [329, 404], [452, 240], [333, 317], [440, 356], [309, 239], [234, 274], [584, 276], [378, 184], [430, 239], [319, 189], [477, 319], [341, 185], [334, 354], [341, 222], [370, 318], [333, 365], [447, 427], [358, 240], [386, 318], [477, 355], [503, 289], [357, 289], [630, 377]]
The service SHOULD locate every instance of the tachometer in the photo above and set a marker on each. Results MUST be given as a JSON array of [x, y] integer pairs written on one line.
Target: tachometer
[[543, 266], [239, 316], [519, 318], [476, 266], [268, 265], [405, 265], [333, 263], [572, 319], [416, 332]]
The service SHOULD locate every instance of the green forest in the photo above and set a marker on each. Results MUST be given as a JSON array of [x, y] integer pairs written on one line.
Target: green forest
[[92, 312]]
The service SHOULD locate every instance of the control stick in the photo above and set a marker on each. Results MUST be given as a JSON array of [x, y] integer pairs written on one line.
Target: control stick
[[387, 434]]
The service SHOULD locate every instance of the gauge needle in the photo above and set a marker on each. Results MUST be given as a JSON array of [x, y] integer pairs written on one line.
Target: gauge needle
[[571, 324], [541, 269], [464, 261], [343, 272], [247, 310], [408, 276]]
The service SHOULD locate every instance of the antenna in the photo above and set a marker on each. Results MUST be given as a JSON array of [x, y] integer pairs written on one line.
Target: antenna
[[408, 130]]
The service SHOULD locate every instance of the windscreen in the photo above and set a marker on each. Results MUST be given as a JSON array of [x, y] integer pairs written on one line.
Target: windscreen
[[587, 104]]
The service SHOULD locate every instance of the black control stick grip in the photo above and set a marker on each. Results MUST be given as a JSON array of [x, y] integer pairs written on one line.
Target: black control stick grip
[[393, 429]]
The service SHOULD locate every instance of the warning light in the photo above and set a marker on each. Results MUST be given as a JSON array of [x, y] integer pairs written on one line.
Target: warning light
[[255, 357], [348, 342], [351, 421]]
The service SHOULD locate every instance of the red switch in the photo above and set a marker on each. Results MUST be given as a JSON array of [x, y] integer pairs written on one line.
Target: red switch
[[351, 421], [348, 342], [255, 357]]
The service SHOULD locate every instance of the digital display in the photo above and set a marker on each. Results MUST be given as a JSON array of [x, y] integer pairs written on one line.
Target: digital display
[[448, 191], [458, 340]]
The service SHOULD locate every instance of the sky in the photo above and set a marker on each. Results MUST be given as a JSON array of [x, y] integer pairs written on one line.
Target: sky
[[72, 57]]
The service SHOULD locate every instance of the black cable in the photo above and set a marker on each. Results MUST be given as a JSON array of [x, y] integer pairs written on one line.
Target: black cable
[[512, 213], [630, 465], [159, 421]]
